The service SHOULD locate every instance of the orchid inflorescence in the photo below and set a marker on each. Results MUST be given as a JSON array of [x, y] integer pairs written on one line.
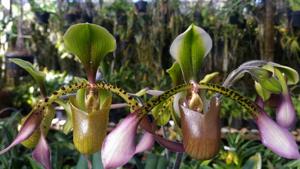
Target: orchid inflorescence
[[194, 113]]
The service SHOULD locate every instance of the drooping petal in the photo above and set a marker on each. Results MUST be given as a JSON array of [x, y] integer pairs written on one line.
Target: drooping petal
[[277, 138], [42, 153], [201, 132], [145, 143], [119, 145], [285, 112], [259, 101], [29, 126]]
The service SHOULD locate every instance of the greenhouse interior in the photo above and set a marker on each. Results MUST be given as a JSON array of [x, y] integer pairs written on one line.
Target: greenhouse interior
[[149, 84]]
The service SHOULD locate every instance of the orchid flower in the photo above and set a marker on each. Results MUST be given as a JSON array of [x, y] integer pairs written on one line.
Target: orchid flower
[[199, 117], [199, 122], [273, 135]]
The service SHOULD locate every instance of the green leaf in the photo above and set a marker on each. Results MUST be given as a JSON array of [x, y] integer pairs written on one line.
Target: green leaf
[[189, 50], [96, 161], [162, 162], [156, 162], [175, 74], [261, 73], [264, 94], [291, 74], [37, 75], [90, 43], [293, 164], [33, 163], [254, 162], [82, 163]]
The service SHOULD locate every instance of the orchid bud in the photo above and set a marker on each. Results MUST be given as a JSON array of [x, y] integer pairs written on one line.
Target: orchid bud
[[201, 131], [90, 123]]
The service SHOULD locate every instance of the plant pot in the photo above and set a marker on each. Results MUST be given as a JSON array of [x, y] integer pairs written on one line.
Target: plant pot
[[141, 6], [295, 19], [13, 70], [42, 17]]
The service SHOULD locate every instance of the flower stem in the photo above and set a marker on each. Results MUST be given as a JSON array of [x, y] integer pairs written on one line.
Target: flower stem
[[178, 160]]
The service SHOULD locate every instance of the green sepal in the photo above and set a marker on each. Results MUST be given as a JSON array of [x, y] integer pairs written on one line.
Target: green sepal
[[80, 99], [271, 84], [266, 79], [207, 78], [37, 75], [162, 114], [254, 162], [291, 74], [68, 126], [189, 50], [90, 43], [263, 93]]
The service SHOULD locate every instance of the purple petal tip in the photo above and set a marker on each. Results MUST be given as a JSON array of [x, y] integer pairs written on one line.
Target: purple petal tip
[[119, 145], [277, 138], [42, 153], [29, 126], [285, 112]]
